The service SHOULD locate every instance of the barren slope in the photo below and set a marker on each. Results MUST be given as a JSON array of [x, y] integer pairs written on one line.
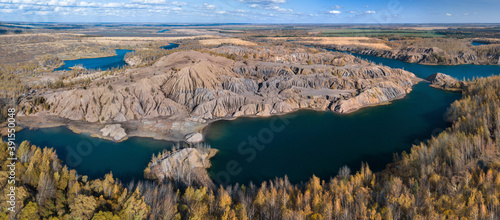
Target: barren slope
[[185, 90]]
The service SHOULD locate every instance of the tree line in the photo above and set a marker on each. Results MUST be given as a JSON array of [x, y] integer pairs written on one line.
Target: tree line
[[455, 175]]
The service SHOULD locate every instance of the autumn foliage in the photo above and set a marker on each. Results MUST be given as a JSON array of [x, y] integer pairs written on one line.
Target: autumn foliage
[[455, 175]]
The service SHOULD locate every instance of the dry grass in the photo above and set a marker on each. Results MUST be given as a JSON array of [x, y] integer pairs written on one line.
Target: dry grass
[[346, 41], [66, 46], [194, 31], [220, 41], [141, 40], [25, 47]]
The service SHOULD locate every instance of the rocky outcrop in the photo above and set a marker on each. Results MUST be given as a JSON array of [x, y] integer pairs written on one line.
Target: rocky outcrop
[[114, 131], [133, 61], [383, 93], [187, 166], [191, 87], [445, 82], [429, 55], [194, 138]]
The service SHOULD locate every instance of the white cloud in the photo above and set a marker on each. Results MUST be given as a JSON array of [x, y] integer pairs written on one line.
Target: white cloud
[[206, 6], [112, 5], [370, 12], [62, 3], [448, 14], [150, 2], [176, 3], [470, 13], [221, 12], [87, 4], [338, 7], [335, 12], [263, 2], [136, 6], [42, 13], [278, 9], [6, 10]]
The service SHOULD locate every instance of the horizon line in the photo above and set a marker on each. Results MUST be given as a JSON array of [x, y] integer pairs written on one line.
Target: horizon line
[[236, 23]]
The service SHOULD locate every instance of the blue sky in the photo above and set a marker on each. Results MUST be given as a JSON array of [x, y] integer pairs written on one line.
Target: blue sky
[[252, 11]]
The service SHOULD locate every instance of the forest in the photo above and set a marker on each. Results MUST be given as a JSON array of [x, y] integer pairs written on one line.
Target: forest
[[455, 175]]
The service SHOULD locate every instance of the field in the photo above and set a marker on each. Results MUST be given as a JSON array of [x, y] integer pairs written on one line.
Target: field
[[340, 41], [357, 32], [219, 41]]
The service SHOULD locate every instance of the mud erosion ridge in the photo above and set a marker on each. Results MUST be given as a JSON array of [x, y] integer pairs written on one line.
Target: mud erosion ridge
[[181, 93], [429, 55]]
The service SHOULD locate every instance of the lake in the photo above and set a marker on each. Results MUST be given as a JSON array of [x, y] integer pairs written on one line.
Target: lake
[[322, 142], [101, 63], [478, 43], [465, 71], [96, 157], [105, 63], [170, 46], [306, 143]]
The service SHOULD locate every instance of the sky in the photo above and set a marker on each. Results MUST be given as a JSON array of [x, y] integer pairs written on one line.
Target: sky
[[252, 11]]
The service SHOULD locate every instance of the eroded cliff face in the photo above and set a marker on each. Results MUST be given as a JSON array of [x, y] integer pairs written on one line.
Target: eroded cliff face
[[432, 55], [428, 55], [193, 87]]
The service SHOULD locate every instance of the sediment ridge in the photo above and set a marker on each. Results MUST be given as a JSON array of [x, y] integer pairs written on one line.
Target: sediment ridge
[[427, 55], [183, 92]]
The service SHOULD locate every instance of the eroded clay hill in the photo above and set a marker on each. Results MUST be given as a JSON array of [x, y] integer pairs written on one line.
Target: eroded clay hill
[[196, 87]]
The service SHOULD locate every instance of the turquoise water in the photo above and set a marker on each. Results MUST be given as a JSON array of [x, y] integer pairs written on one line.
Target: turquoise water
[[162, 31], [467, 71], [298, 144], [101, 63], [170, 46], [321, 142], [478, 43], [96, 157]]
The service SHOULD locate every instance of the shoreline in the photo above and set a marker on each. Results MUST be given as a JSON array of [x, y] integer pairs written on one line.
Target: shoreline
[[97, 55], [93, 129], [361, 52]]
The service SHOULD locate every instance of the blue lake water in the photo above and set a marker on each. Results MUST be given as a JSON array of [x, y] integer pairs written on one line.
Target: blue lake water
[[310, 143], [96, 157], [170, 46], [466, 71], [101, 63], [163, 31], [478, 43], [321, 142]]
